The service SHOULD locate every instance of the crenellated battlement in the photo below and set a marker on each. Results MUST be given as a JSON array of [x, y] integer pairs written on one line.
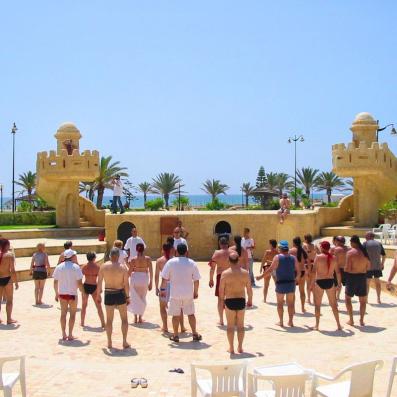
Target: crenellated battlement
[[356, 159], [74, 164]]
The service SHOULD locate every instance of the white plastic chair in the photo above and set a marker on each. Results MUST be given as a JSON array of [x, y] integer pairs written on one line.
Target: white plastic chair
[[361, 382], [393, 373], [393, 233], [8, 379], [227, 379], [282, 385], [382, 232]]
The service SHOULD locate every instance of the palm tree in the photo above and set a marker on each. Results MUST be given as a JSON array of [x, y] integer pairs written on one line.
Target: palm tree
[[145, 188], [307, 178], [329, 181], [165, 184], [349, 184], [283, 182], [272, 181], [27, 181], [247, 189], [107, 171], [214, 188], [90, 192]]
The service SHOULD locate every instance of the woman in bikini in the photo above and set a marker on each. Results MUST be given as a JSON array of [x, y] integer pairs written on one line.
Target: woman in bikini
[[266, 263], [241, 251], [90, 272], [309, 247], [39, 270], [302, 257]]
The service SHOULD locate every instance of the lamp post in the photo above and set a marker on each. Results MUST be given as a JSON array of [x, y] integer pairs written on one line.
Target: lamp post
[[295, 139], [242, 196], [392, 132], [1, 197], [14, 130], [179, 196]]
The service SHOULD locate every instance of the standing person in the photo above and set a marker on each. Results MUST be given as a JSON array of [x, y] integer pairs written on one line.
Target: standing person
[[377, 257], [184, 276], [117, 193], [178, 239], [249, 244], [242, 252], [340, 250], [68, 245], [393, 272], [310, 249], [116, 294], [285, 205], [324, 268], [219, 262], [160, 263], [184, 232], [90, 287], [235, 281], [357, 265], [130, 245], [39, 270], [300, 254], [67, 279], [8, 277], [123, 256], [141, 280], [266, 263], [287, 277]]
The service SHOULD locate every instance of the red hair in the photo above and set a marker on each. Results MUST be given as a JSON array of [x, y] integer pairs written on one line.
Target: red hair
[[326, 246]]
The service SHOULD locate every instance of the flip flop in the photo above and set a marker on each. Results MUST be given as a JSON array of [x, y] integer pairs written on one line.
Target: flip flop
[[143, 382], [197, 337], [174, 338], [177, 370], [135, 383]]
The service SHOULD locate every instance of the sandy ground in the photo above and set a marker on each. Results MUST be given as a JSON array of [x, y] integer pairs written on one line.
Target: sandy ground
[[86, 368]]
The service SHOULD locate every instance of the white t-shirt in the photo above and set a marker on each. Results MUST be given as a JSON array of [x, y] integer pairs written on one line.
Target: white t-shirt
[[67, 273], [131, 245], [181, 272], [180, 240], [248, 243], [118, 188], [123, 255]]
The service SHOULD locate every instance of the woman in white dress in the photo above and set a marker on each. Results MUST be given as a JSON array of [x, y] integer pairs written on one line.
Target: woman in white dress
[[141, 280]]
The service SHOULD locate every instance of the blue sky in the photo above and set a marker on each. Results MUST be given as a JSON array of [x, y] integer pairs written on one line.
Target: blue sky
[[208, 89]]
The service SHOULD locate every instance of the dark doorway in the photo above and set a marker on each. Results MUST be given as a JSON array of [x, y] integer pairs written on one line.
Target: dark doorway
[[124, 231], [223, 229]]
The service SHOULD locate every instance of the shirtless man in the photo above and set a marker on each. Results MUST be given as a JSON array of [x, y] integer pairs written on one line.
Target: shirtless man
[[220, 262], [266, 263], [90, 272], [242, 252], [67, 246], [8, 277], [324, 267], [339, 251], [357, 265], [285, 205], [116, 294], [183, 231], [310, 249], [235, 281]]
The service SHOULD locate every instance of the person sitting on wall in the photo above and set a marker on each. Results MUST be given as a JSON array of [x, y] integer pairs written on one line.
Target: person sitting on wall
[[285, 205]]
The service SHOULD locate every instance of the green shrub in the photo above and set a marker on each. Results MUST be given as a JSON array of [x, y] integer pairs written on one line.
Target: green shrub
[[155, 204], [25, 206], [28, 218], [215, 205]]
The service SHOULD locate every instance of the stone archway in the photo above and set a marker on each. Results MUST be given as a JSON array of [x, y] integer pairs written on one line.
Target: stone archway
[[223, 229], [124, 231]]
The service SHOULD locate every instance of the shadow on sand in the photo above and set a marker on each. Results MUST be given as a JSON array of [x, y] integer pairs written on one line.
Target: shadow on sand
[[9, 327], [130, 352], [291, 330], [383, 305], [189, 345], [145, 325], [370, 329], [73, 343], [43, 306], [344, 333], [93, 329], [245, 355]]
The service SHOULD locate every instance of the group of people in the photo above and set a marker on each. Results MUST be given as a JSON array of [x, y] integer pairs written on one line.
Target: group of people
[[124, 281]]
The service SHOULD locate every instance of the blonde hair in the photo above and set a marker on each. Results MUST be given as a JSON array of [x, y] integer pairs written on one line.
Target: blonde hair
[[40, 245], [118, 244]]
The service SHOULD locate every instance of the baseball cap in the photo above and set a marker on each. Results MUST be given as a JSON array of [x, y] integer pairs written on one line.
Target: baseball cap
[[69, 253], [283, 244]]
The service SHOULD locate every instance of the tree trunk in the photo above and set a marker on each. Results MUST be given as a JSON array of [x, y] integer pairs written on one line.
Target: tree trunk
[[99, 199], [329, 194], [213, 198], [166, 199], [246, 200], [308, 193], [144, 199]]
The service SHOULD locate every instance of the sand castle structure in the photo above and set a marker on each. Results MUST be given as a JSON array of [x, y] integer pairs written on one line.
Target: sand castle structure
[[372, 166], [59, 174]]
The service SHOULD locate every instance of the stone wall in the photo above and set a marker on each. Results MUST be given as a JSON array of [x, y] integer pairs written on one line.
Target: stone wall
[[202, 240]]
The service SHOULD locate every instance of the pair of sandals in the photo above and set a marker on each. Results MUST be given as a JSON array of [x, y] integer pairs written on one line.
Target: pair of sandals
[[177, 370], [135, 382], [196, 338]]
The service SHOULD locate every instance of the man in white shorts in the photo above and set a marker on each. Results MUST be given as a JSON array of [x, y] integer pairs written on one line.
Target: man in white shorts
[[183, 275]]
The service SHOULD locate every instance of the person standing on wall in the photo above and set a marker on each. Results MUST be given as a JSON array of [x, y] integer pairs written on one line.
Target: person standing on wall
[[117, 193], [249, 244]]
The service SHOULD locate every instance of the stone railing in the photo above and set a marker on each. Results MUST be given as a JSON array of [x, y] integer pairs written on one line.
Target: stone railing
[[89, 211]]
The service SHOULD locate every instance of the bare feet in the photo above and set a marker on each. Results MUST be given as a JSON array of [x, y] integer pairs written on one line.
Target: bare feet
[[240, 349], [183, 330], [71, 338], [140, 320], [220, 323], [11, 321], [164, 330], [126, 345], [290, 324], [362, 323], [64, 337], [339, 327], [231, 351], [110, 346], [280, 324], [350, 322]]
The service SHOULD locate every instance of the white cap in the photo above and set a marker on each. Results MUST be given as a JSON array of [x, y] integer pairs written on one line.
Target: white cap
[[69, 253]]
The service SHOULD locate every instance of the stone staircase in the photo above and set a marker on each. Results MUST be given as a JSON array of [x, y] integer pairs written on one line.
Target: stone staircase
[[84, 222], [346, 228], [24, 244]]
